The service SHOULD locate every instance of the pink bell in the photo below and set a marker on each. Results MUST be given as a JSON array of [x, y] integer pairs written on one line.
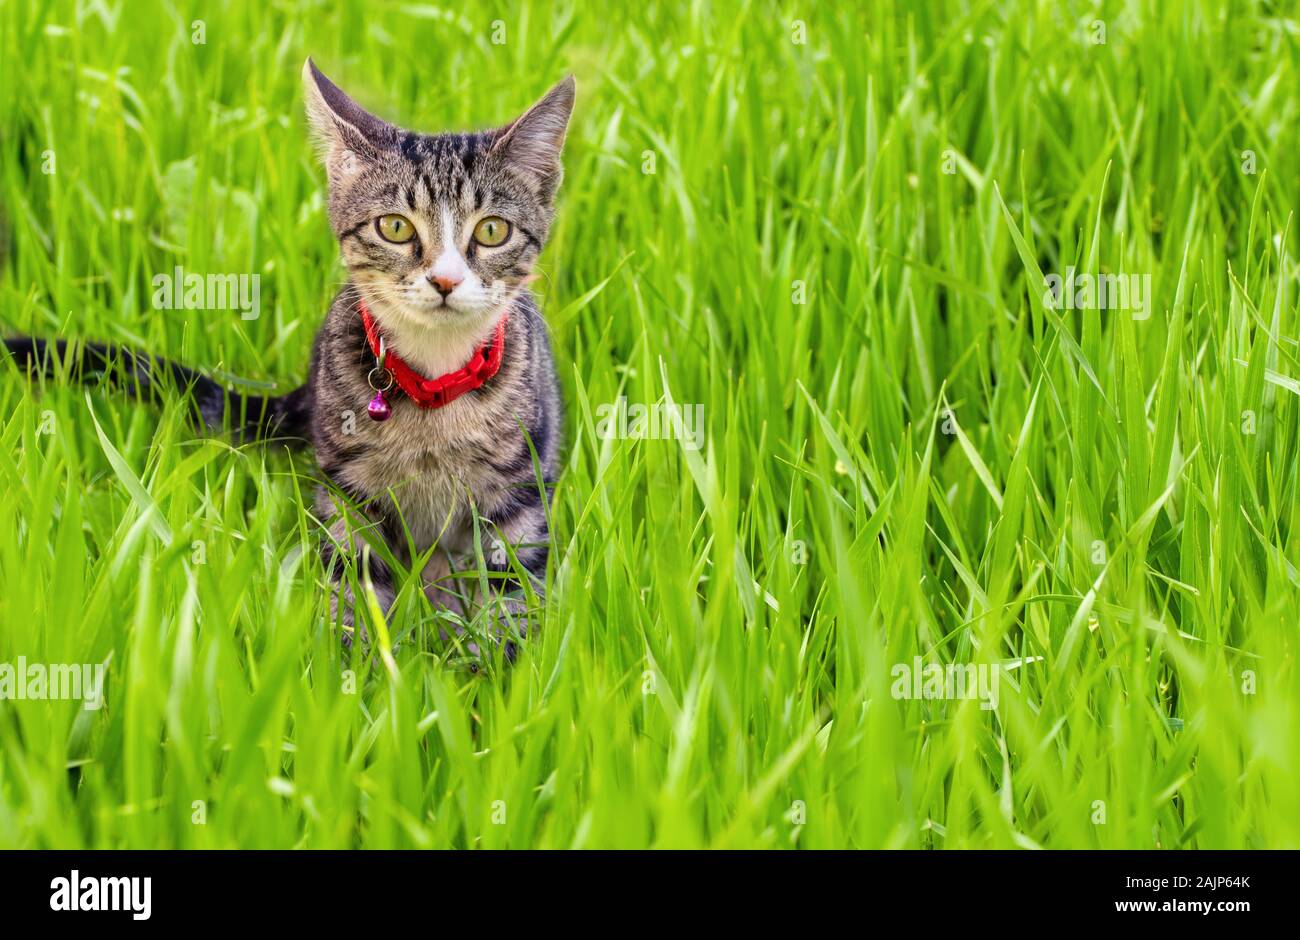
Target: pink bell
[[379, 409]]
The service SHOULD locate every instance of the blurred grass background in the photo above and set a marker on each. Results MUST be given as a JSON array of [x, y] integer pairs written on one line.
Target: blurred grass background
[[917, 459]]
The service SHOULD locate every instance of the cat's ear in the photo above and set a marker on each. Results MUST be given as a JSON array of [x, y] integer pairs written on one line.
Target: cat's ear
[[347, 134], [533, 142]]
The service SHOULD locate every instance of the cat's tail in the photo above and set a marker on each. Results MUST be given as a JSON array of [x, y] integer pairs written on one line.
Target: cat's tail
[[248, 417]]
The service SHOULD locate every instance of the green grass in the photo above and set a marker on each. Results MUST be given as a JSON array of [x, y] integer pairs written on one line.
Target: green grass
[[919, 460]]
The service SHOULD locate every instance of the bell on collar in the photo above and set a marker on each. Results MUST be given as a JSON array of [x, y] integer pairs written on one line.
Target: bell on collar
[[379, 409]]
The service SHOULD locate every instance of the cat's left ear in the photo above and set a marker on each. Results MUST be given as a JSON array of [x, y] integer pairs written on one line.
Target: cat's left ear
[[348, 134], [534, 141]]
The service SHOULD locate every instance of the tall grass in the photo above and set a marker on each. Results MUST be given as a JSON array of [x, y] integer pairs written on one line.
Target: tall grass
[[840, 254]]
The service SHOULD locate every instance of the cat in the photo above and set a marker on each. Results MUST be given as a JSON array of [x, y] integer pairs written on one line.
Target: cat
[[436, 337]]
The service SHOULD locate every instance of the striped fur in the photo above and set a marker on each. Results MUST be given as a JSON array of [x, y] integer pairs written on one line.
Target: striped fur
[[431, 477], [426, 479]]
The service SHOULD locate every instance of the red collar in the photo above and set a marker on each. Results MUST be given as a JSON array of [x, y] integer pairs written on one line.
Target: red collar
[[434, 393]]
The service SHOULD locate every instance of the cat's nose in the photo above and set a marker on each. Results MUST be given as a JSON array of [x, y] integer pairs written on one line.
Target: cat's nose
[[444, 285]]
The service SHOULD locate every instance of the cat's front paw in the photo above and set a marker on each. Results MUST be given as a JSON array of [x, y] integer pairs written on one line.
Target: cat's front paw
[[503, 624], [511, 622]]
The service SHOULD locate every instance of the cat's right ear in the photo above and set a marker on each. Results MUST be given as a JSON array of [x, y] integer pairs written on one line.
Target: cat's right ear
[[347, 135]]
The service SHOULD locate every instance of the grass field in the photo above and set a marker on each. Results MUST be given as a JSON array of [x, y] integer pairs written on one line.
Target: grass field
[[827, 224]]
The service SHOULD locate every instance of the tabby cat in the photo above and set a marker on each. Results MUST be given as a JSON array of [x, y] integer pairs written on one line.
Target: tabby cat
[[432, 402]]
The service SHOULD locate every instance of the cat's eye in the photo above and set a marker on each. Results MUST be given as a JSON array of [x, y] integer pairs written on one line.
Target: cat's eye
[[491, 231], [395, 228]]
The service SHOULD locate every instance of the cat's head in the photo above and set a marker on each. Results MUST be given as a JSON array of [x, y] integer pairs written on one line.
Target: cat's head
[[438, 230]]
